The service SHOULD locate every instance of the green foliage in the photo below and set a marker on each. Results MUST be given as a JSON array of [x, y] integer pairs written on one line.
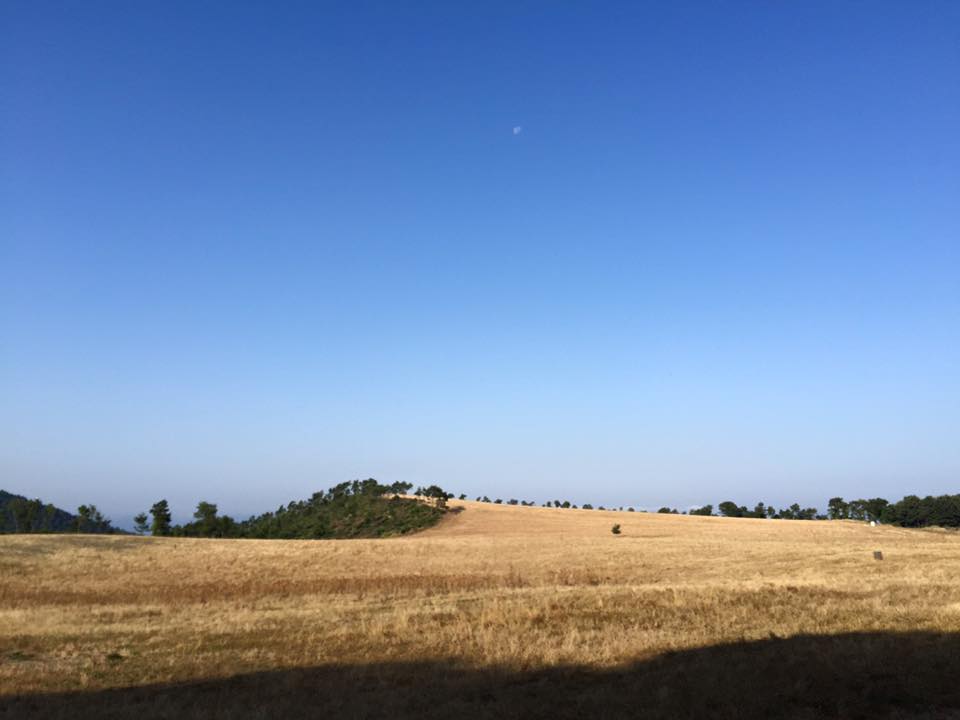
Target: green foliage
[[161, 518], [837, 509], [90, 520], [728, 508], [872, 509], [705, 510], [795, 512], [357, 509], [615, 529], [207, 523], [913, 511], [140, 523], [20, 515], [434, 491]]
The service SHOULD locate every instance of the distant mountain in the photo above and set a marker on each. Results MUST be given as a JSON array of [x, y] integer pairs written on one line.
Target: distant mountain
[[21, 515]]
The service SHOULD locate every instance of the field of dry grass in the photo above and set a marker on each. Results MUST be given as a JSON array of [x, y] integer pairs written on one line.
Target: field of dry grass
[[498, 612]]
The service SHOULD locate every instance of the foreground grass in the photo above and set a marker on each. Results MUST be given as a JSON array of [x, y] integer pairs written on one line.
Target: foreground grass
[[492, 593]]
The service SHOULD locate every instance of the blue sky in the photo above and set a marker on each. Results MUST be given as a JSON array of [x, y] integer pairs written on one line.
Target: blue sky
[[250, 251]]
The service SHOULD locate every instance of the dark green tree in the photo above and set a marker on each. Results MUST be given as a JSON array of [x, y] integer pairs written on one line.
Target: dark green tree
[[161, 518], [838, 509], [206, 519], [728, 508], [400, 488], [874, 508], [140, 523], [857, 510]]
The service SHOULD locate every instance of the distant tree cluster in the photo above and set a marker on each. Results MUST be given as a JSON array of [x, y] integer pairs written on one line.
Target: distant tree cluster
[[728, 508], [361, 508], [20, 515], [435, 492], [872, 509], [912, 511], [91, 520]]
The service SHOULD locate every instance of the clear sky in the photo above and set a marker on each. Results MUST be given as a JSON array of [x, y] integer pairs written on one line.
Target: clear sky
[[638, 253]]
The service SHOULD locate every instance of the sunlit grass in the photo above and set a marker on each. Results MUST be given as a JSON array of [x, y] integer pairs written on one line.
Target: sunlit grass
[[511, 587]]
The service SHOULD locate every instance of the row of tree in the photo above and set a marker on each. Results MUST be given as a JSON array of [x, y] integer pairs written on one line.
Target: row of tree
[[911, 511], [872, 509], [565, 504], [727, 509]]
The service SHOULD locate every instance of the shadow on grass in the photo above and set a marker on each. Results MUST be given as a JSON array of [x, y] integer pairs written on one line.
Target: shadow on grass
[[879, 675]]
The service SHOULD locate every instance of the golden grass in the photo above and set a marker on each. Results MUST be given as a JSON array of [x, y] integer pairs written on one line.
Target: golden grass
[[518, 589]]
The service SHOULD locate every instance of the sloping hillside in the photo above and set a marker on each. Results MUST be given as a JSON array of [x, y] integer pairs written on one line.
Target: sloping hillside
[[20, 515]]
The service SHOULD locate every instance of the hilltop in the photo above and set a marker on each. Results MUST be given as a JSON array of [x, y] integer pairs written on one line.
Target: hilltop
[[355, 509]]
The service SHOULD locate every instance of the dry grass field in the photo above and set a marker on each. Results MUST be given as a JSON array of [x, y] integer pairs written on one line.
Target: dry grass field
[[498, 612]]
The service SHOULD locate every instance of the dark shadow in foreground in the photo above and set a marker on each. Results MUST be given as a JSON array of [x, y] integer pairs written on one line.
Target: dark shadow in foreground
[[874, 675]]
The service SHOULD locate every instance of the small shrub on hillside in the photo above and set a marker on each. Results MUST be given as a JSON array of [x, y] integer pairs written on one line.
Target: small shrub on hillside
[[615, 529]]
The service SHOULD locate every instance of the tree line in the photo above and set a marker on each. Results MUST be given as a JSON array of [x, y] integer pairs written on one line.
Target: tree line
[[366, 508], [21, 515], [359, 508], [912, 511]]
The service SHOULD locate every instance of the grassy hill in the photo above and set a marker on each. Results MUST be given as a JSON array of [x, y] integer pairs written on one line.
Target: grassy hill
[[357, 509], [496, 611]]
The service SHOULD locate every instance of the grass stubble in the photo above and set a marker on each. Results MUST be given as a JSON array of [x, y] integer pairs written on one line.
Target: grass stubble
[[543, 597]]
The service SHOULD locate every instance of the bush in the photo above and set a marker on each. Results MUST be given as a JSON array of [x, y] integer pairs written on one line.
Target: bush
[[615, 529]]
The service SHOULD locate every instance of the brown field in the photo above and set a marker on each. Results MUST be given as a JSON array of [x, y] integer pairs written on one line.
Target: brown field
[[498, 612]]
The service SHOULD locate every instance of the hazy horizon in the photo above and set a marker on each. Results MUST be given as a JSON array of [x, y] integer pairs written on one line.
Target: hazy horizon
[[658, 255]]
